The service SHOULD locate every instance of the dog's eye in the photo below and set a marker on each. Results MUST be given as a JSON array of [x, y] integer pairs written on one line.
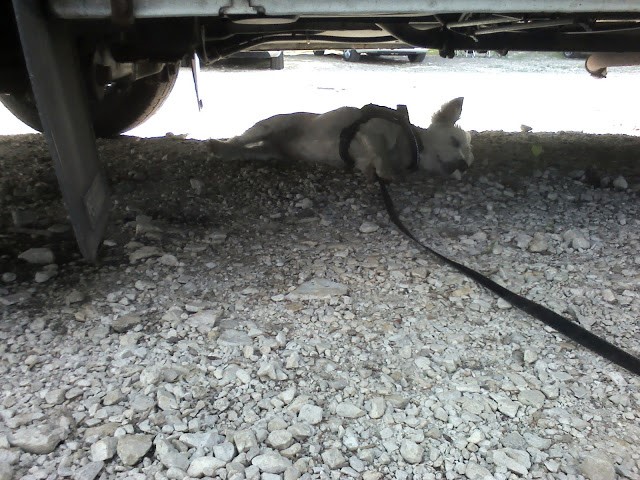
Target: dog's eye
[[455, 142]]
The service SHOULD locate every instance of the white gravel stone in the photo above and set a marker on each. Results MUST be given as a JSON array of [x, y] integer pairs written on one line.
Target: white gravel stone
[[142, 403], [514, 440], [270, 476], [441, 414], [205, 319], [595, 467], [113, 397], [131, 448], [305, 203], [518, 461], [411, 452], [205, 467], [225, 451], [372, 475], [6, 471], [280, 439], [8, 277], [291, 473], [334, 458], [476, 436], [89, 472], [534, 398], [311, 414], [318, 289], [39, 439], [169, 455], [74, 296], [538, 243], [475, 471], [507, 406], [620, 183], [44, 276], [151, 375], [245, 440], [38, 256], [301, 430], [201, 440], [234, 338], [168, 260], [271, 462], [349, 410], [55, 396], [530, 356], [423, 363], [125, 323], [368, 227], [608, 296], [378, 407], [104, 449], [144, 252], [581, 243], [166, 400]]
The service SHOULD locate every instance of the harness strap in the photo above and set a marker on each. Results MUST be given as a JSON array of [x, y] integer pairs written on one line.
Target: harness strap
[[562, 324], [399, 117]]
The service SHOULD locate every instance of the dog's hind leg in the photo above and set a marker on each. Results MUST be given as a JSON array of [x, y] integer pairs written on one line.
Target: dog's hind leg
[[230, 150], [263, 140], [272, 128]]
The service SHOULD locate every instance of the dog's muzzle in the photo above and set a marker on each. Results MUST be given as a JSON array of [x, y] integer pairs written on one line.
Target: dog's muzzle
[[460, 165]]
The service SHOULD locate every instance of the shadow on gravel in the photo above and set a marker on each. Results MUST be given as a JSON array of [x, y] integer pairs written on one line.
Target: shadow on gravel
[[175, 181]]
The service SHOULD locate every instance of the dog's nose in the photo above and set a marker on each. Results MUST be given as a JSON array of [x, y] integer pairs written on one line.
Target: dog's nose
[[460, 165]]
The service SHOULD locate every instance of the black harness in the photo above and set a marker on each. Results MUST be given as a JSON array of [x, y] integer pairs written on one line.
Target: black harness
[[562, 324], [399, 117]]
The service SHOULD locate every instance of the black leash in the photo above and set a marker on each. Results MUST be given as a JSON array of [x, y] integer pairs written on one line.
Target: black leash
[[562, 324], [569, 329]]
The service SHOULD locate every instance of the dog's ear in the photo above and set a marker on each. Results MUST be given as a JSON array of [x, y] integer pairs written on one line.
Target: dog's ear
[[449, 113]]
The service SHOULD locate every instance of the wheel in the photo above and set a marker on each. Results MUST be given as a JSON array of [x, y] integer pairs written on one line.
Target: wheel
[[318, 53], [569, 54], [502, 53], [351, 55], [417, 57], [277, 63], [122, 107]]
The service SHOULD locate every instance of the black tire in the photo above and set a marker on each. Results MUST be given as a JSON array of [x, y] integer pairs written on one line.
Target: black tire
[[121, 109], [502, 53], [351, 55], [277, 63], [318, 53], [569, 54], [417, 57]]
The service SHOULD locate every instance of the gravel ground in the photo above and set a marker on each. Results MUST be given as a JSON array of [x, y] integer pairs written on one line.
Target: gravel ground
[[266, 321]]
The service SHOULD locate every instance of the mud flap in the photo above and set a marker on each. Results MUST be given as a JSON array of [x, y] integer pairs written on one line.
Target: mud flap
[[61, 97]]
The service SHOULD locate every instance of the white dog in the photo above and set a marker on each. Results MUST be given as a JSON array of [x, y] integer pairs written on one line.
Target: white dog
[[379, 147]]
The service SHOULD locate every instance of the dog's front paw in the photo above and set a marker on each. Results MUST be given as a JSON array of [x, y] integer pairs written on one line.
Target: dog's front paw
[[387, 175]]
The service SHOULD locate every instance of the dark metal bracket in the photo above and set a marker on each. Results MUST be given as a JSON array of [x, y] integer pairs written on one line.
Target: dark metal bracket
[[122, 12], [61, 97]]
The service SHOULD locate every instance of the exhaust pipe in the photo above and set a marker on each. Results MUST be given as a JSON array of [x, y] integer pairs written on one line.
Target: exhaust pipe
[[597, 63]]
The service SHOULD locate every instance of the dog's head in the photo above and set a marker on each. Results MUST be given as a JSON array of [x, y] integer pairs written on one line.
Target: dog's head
[[447, 148]]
